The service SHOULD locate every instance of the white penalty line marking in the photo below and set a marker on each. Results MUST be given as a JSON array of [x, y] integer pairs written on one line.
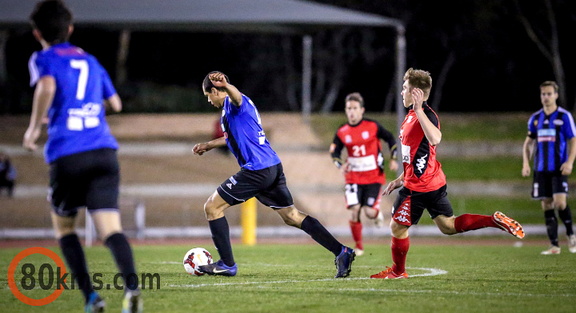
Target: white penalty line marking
[[430, 272]]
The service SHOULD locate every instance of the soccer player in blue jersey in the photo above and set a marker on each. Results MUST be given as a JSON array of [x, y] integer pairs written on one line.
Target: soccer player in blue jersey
[[73, 91], [551, 141], [261, 176]]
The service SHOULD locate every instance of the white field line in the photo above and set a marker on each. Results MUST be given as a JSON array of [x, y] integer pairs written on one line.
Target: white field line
[[428, 272]]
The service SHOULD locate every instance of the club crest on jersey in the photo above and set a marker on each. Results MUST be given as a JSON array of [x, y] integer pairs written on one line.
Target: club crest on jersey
[[558, 122], [348, 139], [365, 134]]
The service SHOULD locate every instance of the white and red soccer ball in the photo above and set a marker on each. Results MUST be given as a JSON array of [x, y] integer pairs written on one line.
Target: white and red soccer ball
[[194, 258]]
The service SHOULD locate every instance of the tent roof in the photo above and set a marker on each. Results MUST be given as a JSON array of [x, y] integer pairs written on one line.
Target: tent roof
[[283, 16]]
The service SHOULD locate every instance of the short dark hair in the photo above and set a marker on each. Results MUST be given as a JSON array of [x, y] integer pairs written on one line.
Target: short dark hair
[[207, 83], [419, 79], [52, 18], [355, 96], [550, 83]]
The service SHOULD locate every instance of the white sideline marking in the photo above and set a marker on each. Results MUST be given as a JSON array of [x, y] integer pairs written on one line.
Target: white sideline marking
[[431, 272]]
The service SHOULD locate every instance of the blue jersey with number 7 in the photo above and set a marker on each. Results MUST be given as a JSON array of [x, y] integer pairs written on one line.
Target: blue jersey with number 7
[[76, 117]]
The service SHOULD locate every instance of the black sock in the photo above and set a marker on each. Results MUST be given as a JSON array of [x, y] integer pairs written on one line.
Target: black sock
[[221, 238], [74, 255], [551, 226], [566, 217], [317, 231], [122, 252]]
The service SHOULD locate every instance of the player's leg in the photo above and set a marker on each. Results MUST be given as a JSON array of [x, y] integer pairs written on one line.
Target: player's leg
[[64, 229], [352, 195], [370, 197], [356, 228], [566, 217], [214, 209], [293, 217], [400, 244], [67, 195], [560, 191], [405, 212], [109, 228], [551, 223], [441, 212], [102, 204]]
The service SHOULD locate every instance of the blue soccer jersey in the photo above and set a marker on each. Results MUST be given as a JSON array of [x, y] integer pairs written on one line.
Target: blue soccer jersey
[[76, 117], [551, 133], [245, 137]]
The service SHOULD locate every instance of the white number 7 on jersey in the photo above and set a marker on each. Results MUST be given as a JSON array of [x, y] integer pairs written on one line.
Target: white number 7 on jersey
[[81, 65]]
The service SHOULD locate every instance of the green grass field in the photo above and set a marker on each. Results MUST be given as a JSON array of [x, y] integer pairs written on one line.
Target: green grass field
[[451, 275]]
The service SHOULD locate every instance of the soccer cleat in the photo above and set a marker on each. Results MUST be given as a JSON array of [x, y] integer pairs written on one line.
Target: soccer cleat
[[379, 220], [219, 268], [551, 250], [132, 302], [358, 252], [389, 274], [344, 262], [95, 304], [508, 224], [572, 243]]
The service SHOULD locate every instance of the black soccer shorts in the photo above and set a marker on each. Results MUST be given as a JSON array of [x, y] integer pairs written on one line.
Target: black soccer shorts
[[546, 184], [88, 179], [267, 185], [410, 205]]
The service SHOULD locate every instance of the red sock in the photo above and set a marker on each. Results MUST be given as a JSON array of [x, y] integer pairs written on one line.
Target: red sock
[[399, 251], [356, 228], [466, 222]]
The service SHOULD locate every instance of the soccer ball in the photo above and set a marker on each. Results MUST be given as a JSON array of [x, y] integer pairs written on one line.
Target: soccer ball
[[194, 258]]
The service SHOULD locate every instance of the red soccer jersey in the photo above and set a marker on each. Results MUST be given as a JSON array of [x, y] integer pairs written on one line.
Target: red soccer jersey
[[362, 142], [422, 172]]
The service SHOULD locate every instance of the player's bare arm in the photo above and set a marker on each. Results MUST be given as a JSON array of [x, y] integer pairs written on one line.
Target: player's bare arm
[[566, 167], [395, 184], [432, 133], [114, 103], [393, 165], [43, 96], [527, 153], [201, 148], [219, 80]]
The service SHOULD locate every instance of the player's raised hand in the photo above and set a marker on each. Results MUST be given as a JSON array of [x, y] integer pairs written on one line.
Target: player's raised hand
[[417, 97], [218, 79]]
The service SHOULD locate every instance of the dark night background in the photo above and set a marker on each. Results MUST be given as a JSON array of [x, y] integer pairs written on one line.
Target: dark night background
[[479, 53]]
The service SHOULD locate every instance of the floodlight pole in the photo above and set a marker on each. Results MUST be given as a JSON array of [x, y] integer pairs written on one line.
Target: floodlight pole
[[306, 77], [400, 69]]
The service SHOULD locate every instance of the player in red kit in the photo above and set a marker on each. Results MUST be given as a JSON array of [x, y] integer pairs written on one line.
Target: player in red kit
[[423, 182], [364, 166]]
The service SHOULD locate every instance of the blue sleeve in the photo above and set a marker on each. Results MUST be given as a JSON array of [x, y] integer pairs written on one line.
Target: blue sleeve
[[569, 129], [532, 131]]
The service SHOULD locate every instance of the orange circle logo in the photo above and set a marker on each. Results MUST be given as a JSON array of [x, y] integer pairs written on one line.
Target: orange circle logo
[[12, 282]]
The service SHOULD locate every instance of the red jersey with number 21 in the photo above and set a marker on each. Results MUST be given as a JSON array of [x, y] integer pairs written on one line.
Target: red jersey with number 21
[[362, 142], [422, 172]]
